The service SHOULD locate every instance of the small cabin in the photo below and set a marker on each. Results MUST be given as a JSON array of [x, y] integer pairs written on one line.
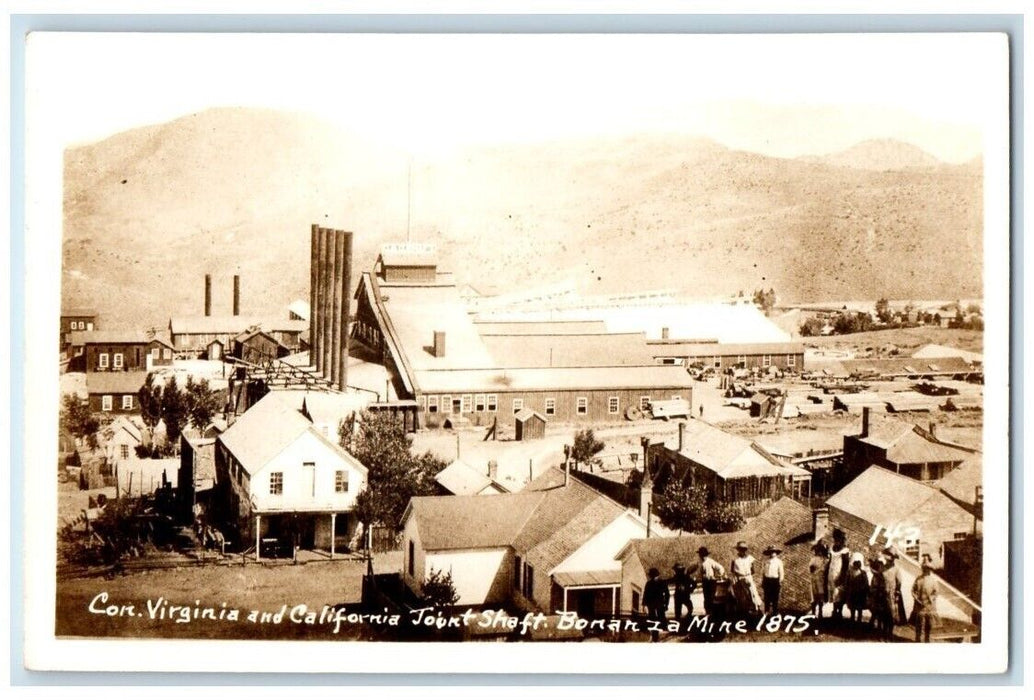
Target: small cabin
[[530, 425]]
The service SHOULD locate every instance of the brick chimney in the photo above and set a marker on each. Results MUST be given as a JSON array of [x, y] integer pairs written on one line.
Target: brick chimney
[[865, 422], [820, 523], [439, 344]]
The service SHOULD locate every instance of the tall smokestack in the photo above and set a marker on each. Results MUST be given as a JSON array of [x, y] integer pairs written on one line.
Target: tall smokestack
[[236, 295], [346, 309], [335, 305], [313, 290], [327, 305], [682, 435], [865, 422], [208, 295], [321, 293]]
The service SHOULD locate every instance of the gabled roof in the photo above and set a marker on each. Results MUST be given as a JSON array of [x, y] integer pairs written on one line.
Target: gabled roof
[[786, 523], [299, 308], [267, 429], [569, 350], [936, 351], [909, 444], [553, 378], [129, 336], [248, 335], [962, 482], [123, 423], [114, 382], [668, 348], [76, 311], [462, 479], [403, 255], [526, 413], [471, 522], [881, 496], [727, 455]]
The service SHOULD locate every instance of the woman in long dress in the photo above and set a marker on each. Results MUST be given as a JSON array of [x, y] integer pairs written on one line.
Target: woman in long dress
[[744, 588], [818, 569], [836, 578]]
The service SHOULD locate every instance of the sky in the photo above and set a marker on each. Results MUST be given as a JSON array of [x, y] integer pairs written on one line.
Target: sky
[[783, 95]]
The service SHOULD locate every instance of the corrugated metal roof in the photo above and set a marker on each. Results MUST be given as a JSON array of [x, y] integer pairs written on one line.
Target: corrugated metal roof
[[114, 382], [553, 378], [940, 351], [914, 448], [512, 328], [581, 350], [526, 413], [907, 366]]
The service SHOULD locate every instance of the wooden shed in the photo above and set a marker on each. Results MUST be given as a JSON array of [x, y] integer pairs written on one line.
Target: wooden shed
[[530, 425]]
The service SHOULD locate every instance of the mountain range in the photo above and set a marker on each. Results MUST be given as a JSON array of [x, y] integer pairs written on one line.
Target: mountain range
[[231, 191]]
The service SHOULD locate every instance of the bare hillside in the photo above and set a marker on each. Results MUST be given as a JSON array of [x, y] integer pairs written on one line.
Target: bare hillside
[[227, 191]]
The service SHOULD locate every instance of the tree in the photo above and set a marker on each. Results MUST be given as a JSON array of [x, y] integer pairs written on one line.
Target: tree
[[766, 300], [394, 475], [691, 509], [681, 507], [150, 399], [202, 403], [812, 327], [586, 447], [77, 418], [438, 590], [174, 410], [883, 311]]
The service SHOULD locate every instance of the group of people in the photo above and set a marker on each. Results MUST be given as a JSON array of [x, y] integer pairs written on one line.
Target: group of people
[[839, 577], [744, 598]]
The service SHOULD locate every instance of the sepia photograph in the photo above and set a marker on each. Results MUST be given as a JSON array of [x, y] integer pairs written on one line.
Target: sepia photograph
[[542, 340]]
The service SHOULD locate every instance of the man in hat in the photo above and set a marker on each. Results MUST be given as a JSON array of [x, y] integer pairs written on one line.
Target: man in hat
[[744, 588], [924, 600], [683, 587], [839, 565], [655, 599], [772, 574], [710, 572], [890, 594]]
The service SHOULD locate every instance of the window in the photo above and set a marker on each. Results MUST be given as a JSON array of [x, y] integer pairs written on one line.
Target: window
[[766, 360], [127, 402], [102, 360], [791, 360], [582, 405], [644, 403], [518, 404], [124, 451], [613, 404], [466, 403], [636, 597], [717, 362], [432, 404], [422, 403], [341, 481], [517, 573], [309, 469], [528, 585], [457, 405], [667, 360], [106, 403], [446, 404], [479, 403], [960, 535], [276, 483], [166, 354], [741, 360], [492, 403], [154, 352], [117, 360], [411, 551], [550, 407]]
